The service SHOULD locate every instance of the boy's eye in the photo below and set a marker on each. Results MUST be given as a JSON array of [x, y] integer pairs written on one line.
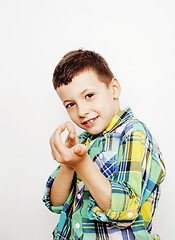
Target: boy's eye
[[70, 105], [89, 95]]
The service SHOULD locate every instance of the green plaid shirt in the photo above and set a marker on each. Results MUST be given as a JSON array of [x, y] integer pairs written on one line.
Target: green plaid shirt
[[128, 156]]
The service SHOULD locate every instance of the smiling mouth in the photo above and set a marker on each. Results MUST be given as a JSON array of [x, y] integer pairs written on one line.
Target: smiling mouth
[[90, 121]]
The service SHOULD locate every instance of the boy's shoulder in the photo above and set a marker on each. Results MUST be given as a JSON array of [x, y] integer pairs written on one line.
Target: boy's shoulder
[[133, 125]]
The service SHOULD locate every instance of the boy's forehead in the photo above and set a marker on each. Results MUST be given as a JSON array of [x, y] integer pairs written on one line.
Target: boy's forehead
[[80, 83], [86, 75]]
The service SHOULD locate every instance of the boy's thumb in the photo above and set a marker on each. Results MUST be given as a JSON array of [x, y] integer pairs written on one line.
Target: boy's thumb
[[80, 149]]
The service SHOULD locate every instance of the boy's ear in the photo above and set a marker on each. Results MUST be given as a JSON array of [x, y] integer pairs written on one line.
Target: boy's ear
[[116, 88]]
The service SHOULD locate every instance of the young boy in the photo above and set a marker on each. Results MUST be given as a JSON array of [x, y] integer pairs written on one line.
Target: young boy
[[107, 185]]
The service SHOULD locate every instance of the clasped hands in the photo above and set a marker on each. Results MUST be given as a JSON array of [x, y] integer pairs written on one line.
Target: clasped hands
[[74, 157], [71, 152]]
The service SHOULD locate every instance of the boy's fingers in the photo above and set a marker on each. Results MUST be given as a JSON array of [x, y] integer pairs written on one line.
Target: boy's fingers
[[54, 152], [80, 149], [60, 129], [57, 134], [56, 139], [70, 127], [55, 155], [59, 151], [72, 138]]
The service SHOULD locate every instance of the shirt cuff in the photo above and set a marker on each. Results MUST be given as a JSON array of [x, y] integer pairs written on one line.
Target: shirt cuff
[[58, 209], [123, 210]]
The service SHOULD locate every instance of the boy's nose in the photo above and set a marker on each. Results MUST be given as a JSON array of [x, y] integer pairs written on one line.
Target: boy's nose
[[83, 110]]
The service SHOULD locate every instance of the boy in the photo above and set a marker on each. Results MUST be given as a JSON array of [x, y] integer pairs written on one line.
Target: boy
[[107, 185]]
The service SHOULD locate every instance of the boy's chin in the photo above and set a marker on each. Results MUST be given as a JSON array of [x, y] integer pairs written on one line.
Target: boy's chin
[[94, 131]]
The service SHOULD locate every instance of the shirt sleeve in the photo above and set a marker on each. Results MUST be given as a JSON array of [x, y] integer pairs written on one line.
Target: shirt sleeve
[[129, 181], [46, 197]]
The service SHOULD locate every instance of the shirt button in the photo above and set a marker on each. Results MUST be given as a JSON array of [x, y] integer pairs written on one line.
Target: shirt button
[[130, 215], [77, 225], [78, 195]]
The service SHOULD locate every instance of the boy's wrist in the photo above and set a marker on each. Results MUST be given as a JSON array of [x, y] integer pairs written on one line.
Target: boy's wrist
[[66, 167], [83, 164]]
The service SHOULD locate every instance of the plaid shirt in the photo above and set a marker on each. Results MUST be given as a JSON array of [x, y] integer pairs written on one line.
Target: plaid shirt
[[128, 156]]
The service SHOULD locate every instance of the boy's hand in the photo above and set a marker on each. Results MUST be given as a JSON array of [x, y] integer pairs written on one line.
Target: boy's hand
[[76, 159], [71, 152]]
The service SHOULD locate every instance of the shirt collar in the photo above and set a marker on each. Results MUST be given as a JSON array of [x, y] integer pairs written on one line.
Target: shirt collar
[[118, 119]]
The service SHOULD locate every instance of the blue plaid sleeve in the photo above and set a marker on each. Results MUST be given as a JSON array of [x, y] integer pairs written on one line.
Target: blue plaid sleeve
[[129, 173]]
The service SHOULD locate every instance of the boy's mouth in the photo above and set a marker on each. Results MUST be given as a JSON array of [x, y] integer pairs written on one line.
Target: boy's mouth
[[90, 122]]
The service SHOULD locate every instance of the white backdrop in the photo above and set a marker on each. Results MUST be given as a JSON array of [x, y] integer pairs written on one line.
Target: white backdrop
[[135, 37]]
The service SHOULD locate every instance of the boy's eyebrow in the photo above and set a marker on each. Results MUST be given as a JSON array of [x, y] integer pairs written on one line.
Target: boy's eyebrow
[[66, 101], [85, 90]]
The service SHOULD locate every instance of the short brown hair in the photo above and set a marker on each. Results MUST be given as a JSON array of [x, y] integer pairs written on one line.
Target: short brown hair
[[77, 61]]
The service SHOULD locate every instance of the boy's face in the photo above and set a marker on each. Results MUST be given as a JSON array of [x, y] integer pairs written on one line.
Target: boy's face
[[89, 102]]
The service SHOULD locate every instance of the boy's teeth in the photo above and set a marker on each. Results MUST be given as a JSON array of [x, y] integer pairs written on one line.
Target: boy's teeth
[[90, 121]]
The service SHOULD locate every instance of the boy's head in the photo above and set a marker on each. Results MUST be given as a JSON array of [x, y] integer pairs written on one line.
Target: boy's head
[[75, 62], [90, 97]]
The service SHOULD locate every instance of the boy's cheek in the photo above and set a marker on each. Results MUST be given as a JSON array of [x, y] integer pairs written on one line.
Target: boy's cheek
[[74, 119], [71, 114]]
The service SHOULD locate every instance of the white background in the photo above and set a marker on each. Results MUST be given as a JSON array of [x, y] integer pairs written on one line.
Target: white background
[[137, 40]]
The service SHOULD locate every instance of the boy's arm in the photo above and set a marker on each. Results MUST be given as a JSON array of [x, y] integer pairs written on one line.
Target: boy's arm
[[97, 184], [61, 186]]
